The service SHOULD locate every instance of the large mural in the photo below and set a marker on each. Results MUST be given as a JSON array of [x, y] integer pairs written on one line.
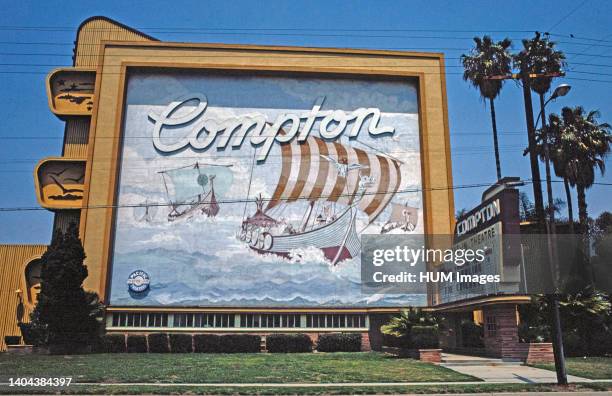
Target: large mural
[[242, 190]]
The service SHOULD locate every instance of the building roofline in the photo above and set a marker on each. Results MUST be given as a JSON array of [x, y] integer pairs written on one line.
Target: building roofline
[[107, 19]]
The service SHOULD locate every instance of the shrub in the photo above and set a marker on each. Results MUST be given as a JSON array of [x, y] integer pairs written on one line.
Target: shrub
[[389, 340], [12, 340], [472, 335], [207, 343], [398, 331], [158, 343], [424, 337], [288, 343], [181, 343], [70, 316], [113, 343], [33, 333], [136, 343], [339, 342], [240, 343], [575, 345]]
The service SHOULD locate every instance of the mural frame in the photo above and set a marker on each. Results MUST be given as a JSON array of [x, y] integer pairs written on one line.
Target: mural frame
[[105, 139]]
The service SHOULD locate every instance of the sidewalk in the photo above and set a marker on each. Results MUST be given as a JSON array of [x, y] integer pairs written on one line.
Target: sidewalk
[[514, 374]]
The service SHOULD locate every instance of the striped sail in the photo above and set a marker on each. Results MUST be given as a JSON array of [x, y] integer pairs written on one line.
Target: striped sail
[[307, 174]]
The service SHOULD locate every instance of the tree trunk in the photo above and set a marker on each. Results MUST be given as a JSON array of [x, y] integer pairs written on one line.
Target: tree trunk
[[533, 158], [570, 206], [584, 229], [495, 141], [582, 209]]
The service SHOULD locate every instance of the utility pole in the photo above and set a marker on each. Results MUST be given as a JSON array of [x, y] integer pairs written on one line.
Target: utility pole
[[557, 336], [552, 244], [557, 331]]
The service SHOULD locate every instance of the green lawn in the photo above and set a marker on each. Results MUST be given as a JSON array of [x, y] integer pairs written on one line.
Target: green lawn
[[231, 368], [438, 389], [591, 367]]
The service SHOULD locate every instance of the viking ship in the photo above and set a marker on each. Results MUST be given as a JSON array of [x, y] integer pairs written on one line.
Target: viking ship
[[337, 181], [403, 217], [191, 189]]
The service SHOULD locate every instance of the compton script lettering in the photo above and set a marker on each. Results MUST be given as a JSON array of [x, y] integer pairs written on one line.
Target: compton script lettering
[[205, 131]]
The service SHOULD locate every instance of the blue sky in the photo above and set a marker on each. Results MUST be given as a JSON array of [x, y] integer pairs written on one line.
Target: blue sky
[[416, 25]]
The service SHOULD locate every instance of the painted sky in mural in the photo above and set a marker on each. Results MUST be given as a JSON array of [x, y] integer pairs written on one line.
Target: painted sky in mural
[[242, 190]]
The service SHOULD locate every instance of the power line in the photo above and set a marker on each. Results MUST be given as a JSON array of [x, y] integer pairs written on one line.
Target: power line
[[307, 29], [232, 201], [567, 15]]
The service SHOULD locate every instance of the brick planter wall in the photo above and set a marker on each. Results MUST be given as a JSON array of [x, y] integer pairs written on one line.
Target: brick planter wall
[[424, 355], [540, 352], [365, 342], [430, 355]]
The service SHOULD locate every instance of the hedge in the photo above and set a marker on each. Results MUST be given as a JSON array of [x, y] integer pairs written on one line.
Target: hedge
[[288, 343], [158, 343], [424, 337], [240, 343], [185, 343], [136, 343], [113, 343], [339, 342], [207, 343], [181, 343]]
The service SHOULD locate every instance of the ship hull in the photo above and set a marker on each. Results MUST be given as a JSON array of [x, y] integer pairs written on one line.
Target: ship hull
[[329, 253], [338, 240]]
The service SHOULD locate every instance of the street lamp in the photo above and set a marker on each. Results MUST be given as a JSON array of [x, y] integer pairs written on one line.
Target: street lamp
[[561, 90]]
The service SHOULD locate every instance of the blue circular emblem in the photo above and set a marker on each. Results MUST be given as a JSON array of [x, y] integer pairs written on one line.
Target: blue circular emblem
[[138, 281]]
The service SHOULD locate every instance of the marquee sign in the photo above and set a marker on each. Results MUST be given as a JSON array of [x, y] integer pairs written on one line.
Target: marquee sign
[[491, 227]]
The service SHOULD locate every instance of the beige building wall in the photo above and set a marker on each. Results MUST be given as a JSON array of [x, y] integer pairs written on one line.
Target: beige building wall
[[15, 299], [110, 48]]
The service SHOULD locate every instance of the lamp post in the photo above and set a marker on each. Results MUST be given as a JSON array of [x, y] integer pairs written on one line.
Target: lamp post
[[561, 90]]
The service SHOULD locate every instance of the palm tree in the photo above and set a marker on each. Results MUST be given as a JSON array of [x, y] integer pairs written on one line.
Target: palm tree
[[583, 145], [400, 326], [558, 158], [540, 57], [486, 60]]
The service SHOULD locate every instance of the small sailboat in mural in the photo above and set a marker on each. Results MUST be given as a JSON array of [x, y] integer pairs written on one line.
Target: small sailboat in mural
[[194, 189], [145, 212], [402, 217], [210, 206], [337, 181]]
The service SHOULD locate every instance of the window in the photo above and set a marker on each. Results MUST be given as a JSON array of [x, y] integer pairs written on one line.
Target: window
[[269, 320], [129, 319], [203, 320], [337, 321], [491, 325]]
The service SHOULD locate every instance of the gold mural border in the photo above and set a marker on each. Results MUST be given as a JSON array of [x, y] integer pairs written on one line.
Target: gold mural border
[[116, 58]]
